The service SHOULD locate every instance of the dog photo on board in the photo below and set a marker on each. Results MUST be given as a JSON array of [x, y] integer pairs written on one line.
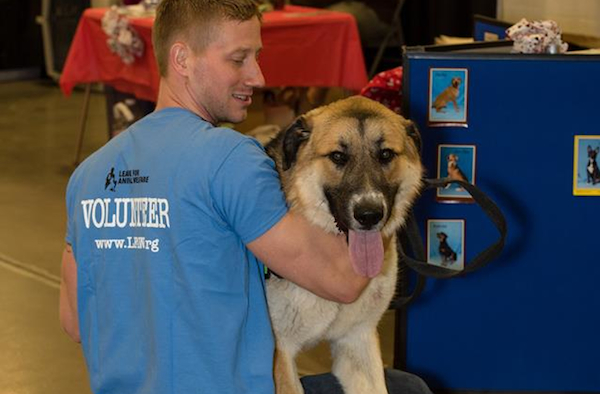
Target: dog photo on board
[[448, 88], [586, 173], [445, 243], [455, 162]]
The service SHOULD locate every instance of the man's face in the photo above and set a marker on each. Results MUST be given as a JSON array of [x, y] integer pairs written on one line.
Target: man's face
[[225, 73]]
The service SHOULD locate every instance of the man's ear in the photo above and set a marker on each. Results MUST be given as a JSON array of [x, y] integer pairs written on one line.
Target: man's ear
[[179, 56]]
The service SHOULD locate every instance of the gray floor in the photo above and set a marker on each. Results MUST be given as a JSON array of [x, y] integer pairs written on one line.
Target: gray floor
[[38, 134]]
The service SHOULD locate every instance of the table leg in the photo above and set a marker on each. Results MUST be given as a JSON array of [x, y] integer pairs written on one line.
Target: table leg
[[82, 121]]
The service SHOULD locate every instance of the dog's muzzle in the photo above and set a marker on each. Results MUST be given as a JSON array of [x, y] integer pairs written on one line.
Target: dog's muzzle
[[368, 211], [368, 215]]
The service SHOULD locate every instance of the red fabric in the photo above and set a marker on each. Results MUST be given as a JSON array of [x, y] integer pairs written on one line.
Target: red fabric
[[301, 47], [386, 88]]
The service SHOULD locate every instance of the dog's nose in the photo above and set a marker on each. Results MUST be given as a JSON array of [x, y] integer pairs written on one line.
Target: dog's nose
[[368, 215]]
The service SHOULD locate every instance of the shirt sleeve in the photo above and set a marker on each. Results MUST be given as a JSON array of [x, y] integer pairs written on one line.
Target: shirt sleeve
[[247, 191]]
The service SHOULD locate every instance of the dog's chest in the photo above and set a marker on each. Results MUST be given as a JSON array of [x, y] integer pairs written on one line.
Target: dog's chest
[[453, 170], [368, 309], [305, 319]]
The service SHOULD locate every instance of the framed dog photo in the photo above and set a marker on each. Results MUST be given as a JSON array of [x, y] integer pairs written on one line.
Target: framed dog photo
[[586, 173], [446, 243], [456, 162], [448, 96]]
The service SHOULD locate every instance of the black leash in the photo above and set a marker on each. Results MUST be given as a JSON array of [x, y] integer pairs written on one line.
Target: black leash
[[409, 239]]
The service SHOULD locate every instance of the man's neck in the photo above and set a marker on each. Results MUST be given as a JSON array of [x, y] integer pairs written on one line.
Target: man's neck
[[166, 97], [173, 94]]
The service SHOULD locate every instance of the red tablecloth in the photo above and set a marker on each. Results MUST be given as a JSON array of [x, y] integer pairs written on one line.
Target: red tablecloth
[[301, 47]]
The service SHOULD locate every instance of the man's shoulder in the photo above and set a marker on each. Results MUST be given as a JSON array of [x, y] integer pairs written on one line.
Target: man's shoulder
[[182, 123], [224, 141]]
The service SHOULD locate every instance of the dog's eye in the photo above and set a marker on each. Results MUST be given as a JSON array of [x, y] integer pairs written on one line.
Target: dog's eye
[[338, 158], [386, 155]]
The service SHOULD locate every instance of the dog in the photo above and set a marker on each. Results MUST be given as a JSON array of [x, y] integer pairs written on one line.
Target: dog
[[351, 167], [450, 94], [593, 173], [454, 171], [448, 255]]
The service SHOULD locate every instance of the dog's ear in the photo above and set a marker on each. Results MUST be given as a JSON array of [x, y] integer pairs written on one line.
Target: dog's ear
[[413, 132], [294, 136], [589, 148]]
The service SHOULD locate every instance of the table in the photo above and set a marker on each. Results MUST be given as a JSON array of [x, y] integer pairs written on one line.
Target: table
[[301, 47]]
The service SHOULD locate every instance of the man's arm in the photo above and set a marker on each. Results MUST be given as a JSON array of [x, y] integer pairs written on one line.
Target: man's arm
[[68, 295], [311, 258]]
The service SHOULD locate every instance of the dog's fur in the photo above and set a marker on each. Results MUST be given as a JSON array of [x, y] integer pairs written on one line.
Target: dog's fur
[[450, 94], [335, 162], [448, 255], [454, 171], [593, 172]]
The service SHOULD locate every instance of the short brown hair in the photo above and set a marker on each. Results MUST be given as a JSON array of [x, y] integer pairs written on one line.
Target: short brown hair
[[180, 19]]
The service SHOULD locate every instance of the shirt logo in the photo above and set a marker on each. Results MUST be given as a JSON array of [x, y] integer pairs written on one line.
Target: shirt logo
[[123, 177], [111, 180]]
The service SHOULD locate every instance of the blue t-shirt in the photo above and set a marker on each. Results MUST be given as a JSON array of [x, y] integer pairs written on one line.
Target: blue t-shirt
[[170, 300]]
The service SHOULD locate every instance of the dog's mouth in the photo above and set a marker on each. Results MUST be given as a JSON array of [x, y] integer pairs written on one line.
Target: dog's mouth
[[366, 246], [366, 252]]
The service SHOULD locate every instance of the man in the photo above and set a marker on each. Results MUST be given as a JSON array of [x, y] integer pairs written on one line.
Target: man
[[161, 279]]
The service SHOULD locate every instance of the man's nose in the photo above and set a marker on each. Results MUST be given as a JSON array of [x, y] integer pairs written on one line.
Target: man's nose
[[256, 78]]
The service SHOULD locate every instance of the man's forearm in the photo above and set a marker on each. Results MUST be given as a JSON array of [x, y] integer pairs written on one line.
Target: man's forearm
[[68, 295]]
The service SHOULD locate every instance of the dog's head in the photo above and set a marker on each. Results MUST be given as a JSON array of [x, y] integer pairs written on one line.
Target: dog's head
[[593, 153], [442, 236], [456, 82], [452, 160], [352, 166]]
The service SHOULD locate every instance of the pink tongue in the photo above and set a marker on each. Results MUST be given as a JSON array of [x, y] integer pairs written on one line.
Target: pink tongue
[[366, 252]]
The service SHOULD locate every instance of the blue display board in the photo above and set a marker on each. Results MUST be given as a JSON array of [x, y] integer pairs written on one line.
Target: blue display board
[[530, 321], [488, 29]]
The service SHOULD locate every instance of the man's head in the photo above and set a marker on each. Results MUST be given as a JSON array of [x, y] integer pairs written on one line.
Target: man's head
[[193, 21], [207, 53]]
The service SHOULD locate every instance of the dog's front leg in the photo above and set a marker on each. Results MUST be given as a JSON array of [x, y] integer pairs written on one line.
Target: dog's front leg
[[456, 108], [357, 362], [285, 373]]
